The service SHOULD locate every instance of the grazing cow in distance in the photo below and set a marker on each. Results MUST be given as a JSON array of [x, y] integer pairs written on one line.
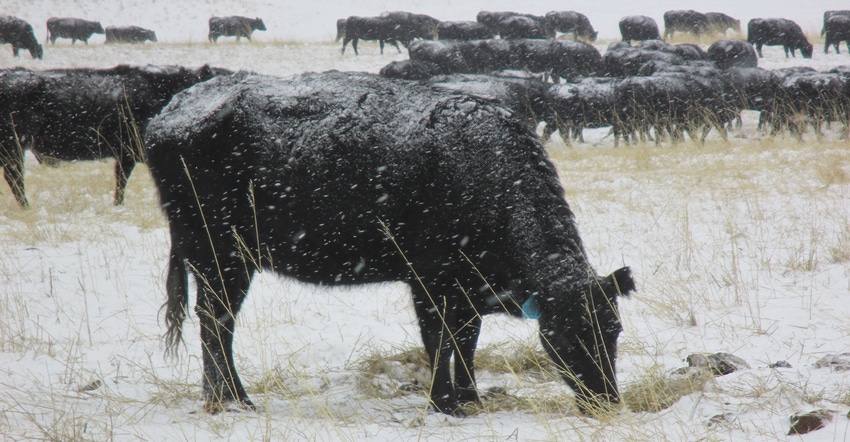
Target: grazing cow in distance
[[719, 23], [837, 29], [571, 107], [411, 70], [639, 27], [733, 53], [73, 28], [84, 114], [463, 30], [828, 14], [343, 178], [627, 61], [20, 35], [686, 21], [519, 26], [506, 24], [778, 31], [571, 22], [234, 25], [408, 26], [129, 34], [556, 58], [369, 28]]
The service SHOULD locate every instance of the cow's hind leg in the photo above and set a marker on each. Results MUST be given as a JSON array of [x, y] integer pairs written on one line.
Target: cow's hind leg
[[468, 327], [434, 314], [221, 289]]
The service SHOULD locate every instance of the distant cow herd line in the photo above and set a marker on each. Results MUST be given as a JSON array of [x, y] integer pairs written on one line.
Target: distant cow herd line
[[403, 27]]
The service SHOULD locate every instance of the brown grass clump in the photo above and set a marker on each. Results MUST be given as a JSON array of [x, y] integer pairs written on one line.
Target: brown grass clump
[[658, 391]]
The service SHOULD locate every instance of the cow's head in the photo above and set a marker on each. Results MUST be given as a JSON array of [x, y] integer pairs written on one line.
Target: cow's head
[[37, 51], [258, 24], [97, 28], [151, 35], [593, 35], [807, 50], [581, 338], [736, 26]]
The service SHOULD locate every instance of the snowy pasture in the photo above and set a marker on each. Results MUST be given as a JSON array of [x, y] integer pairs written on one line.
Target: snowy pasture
[[739, 247]]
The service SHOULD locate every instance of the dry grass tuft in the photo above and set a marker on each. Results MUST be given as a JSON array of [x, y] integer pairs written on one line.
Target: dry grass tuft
[[657, 391]]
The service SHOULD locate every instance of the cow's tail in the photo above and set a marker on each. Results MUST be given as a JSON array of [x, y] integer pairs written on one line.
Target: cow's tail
[[177, 301]]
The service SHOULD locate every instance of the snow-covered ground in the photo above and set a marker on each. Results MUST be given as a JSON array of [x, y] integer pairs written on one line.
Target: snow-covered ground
[[741, 248]]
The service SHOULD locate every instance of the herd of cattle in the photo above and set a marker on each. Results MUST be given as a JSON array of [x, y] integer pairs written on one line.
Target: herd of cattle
[[20, 34], [350, 178]]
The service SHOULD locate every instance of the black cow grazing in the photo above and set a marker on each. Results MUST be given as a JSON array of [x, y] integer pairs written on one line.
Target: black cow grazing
[[518, 91], [571, 107], [411, 70], [129, 34], [20, 35], [347, 178], [813, 98], [463, 30], [556, 58], [778, 31], [639, 27], [73, 28], [733, 53], [514, 25], [627, 61], [690, 52], [519, 26], [234, 25], [837, 29], [369, 28], [84, 114], [340, 29], [719, 23], [828, 14], [408, 26], [756, 89], [686, 21], [571, 22]]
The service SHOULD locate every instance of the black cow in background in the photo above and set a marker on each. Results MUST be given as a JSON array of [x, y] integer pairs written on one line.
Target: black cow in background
[[572, 107], [556, 58], [463, 30], [369, 28], [639, 27], [571, 22], [685, 21], [343, 178], [84, 114], [408, 26], [20, 35], [828, 14], [778, 31], [73, 28], [719, 23], [129, 34], [234, 25], [836, 29], [411, 70], [627, 61], [733, 53], [514, 25]]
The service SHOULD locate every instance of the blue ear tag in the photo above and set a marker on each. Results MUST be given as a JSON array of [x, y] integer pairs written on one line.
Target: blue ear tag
[[530, 309]]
